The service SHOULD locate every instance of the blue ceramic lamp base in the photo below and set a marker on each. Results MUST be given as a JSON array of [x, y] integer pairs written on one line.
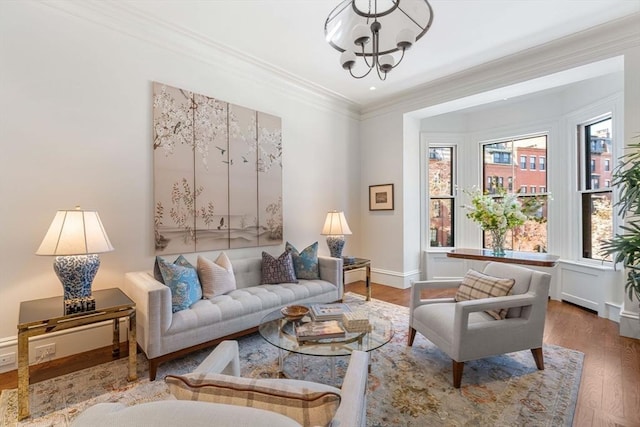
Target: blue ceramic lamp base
[[335, 244], [76, 272]]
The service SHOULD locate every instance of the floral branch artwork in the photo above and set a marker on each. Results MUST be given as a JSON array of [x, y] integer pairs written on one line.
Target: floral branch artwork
[[208, 153], [173, 124], [183, 212], [274, 222]]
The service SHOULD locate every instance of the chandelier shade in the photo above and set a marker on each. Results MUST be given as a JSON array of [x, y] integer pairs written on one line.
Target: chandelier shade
[[374, 29]]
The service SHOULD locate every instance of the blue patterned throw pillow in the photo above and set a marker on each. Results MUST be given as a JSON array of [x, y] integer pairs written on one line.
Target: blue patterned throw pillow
[[278, 270], [183, 282], [181, 260], [305, 263]]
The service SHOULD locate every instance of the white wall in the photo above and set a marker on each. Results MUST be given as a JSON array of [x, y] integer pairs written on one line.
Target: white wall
[[75, 123], [384, 140], [630, 315], [554, 112]]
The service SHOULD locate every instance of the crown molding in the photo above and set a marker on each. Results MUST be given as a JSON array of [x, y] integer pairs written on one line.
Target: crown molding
[[126, 19], [594, 44]]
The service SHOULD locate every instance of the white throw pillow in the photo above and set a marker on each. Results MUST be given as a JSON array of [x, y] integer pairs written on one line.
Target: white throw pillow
[[217, 277]]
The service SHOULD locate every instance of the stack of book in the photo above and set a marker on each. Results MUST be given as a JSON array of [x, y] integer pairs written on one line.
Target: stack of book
[[319, 330], [329, 311], [355, 321]]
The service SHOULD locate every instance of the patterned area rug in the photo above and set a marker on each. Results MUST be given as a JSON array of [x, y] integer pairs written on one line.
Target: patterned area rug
[[408, 386]]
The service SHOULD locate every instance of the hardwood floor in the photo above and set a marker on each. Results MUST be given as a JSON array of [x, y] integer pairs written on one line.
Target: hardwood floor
[[610, 387]]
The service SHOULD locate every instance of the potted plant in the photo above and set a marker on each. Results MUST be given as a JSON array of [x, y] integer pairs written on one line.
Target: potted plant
[[625, 246], [499, 213]]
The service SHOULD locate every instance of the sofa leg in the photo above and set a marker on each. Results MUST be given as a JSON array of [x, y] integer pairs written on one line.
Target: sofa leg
[[411, 336], [538, 357], [153, 369], [457, 373]]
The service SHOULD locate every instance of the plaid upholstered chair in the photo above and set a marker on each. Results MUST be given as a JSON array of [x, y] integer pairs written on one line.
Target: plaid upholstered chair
[[500, 310]]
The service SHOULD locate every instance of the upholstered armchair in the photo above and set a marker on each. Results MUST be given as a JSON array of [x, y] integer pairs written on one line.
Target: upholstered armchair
[[465, 331], [215, 395]]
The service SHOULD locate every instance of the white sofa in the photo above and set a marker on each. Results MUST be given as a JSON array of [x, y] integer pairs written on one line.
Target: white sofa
[[351, 411], [163, 335]]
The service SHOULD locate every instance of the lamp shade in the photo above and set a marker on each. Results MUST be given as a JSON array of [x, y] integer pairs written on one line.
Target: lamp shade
[[335, 224], [75, 232]]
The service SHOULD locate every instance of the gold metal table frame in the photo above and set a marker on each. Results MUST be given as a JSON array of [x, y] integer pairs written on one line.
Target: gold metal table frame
[[356, 264], [44, 316]]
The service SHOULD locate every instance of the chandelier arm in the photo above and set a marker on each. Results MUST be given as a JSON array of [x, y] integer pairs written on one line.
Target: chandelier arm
[[401, 58], [362, 76], [373, 62], [381, 74]]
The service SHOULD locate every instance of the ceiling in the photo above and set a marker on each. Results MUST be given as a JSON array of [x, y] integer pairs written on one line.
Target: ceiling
[[289, 35]]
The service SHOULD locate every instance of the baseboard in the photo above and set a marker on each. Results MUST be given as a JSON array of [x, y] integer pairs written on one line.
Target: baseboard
[[68, 342], [629, 324]]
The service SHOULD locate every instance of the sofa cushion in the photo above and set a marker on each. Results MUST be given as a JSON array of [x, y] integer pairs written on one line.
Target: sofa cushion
[[181, 260], [217, 277], [183, 282], [308, 403], [278, 270], [305, 263], [476, 285]]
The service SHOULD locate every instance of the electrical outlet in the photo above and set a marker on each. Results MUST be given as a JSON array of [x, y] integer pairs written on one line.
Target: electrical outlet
[[46, 350], [7, 359]]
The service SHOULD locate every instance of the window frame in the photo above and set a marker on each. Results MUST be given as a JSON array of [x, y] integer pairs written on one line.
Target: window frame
[[427, 204], [525, 190], [589, 184]]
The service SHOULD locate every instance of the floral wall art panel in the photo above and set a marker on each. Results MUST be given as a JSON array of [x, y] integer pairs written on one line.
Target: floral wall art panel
[[175, 192], [217, 174], [211, 173], [243, 178], [269, 179]]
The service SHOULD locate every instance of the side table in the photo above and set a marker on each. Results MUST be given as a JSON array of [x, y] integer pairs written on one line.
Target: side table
[[43, 316], [349, 264]]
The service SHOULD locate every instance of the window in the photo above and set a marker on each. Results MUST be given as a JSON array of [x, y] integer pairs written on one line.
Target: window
[[441, 202], [501, 157], [595, 147], [531, 152], [607, 165]]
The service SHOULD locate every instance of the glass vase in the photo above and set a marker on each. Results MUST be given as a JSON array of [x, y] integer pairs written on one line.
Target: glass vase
[[497, 242]]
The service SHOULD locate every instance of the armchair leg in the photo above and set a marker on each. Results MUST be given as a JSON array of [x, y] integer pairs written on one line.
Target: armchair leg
[[538, 357], [412, 336], [457, 373]]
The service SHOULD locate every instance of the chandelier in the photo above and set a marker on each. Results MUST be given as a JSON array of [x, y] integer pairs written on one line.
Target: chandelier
[[374, 29]]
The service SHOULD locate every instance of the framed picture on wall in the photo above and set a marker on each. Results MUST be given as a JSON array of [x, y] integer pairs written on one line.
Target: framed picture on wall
[[381, 197]]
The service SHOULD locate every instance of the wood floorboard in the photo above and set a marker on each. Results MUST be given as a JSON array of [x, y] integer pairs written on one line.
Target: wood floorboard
[[609, 391]]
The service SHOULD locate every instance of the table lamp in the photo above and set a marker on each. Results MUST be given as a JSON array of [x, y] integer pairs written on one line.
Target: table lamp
[[75, 238], [335, 227]]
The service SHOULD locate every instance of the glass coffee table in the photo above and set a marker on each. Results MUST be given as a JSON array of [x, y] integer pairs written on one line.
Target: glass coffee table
[[280, 332]]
